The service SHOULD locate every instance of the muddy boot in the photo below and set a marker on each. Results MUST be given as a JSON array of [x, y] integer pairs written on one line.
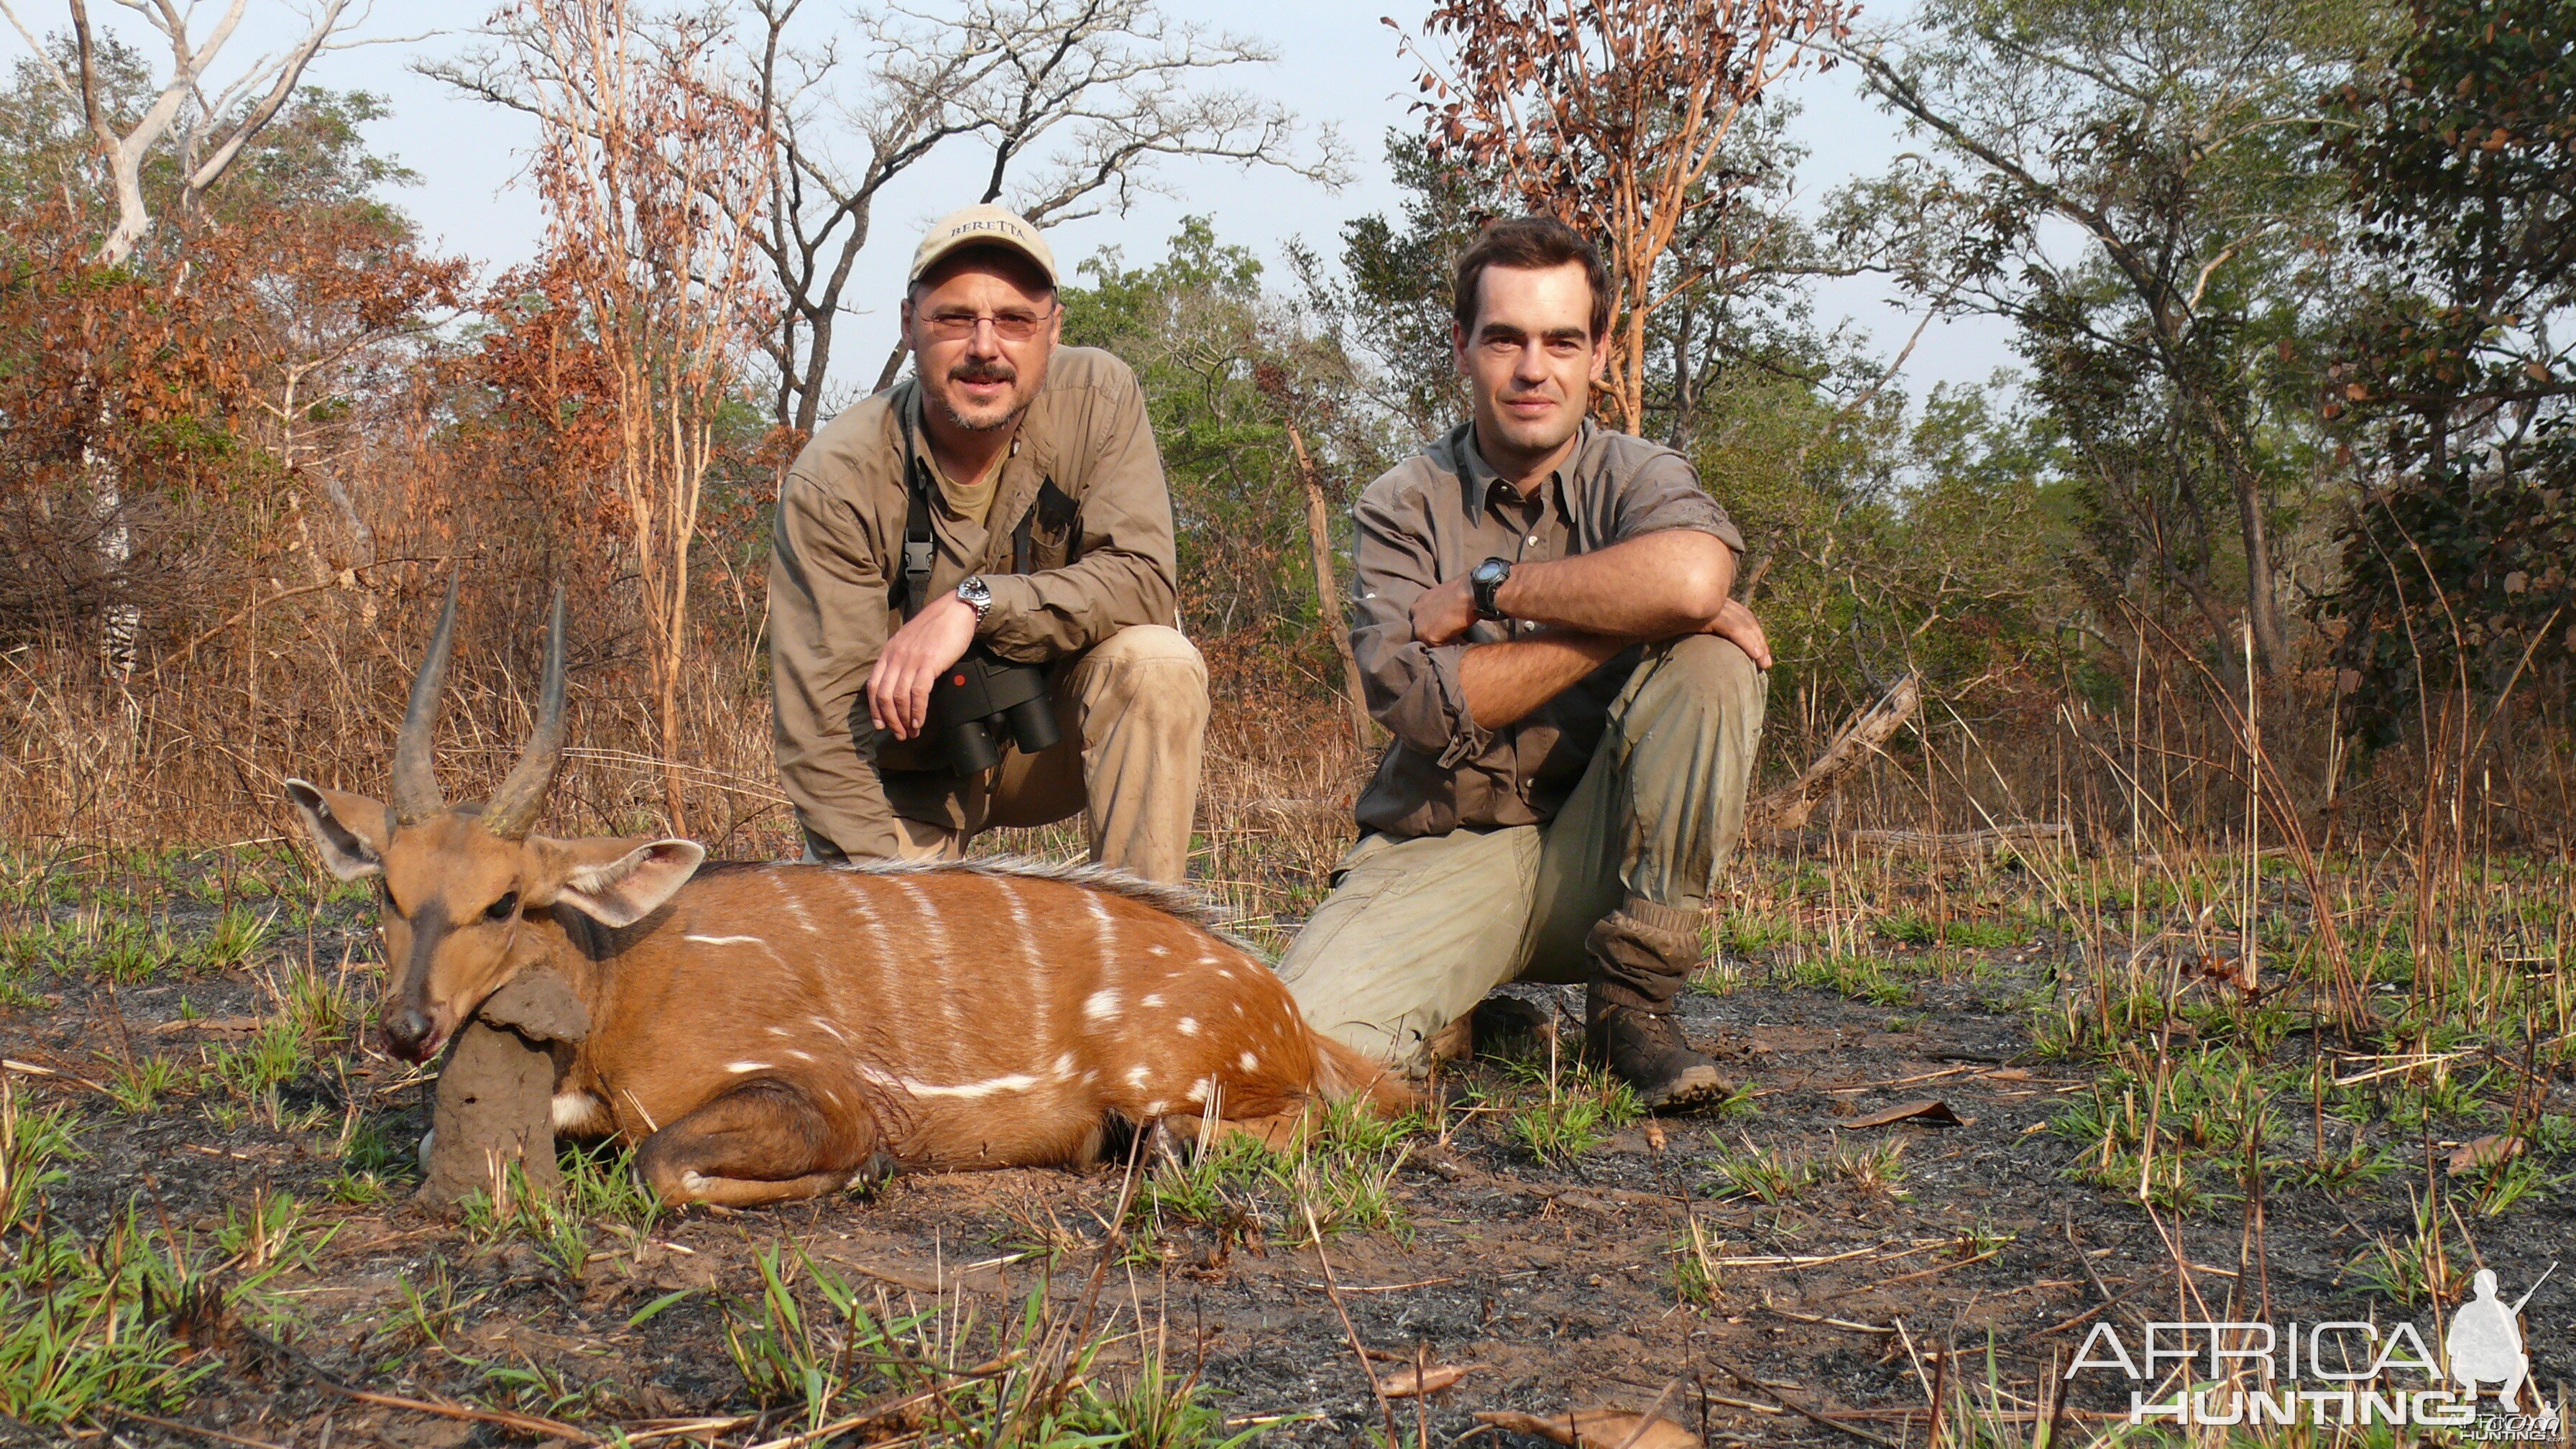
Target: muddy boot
[[1640, 955]]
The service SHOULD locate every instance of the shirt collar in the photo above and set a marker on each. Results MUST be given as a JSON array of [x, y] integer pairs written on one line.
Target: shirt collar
[[1481, 480]]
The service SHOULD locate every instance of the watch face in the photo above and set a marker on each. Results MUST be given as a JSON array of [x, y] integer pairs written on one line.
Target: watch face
[[1491, 571]]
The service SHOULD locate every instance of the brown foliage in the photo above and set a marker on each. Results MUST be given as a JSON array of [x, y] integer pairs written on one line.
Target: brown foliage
[[1615, 118]]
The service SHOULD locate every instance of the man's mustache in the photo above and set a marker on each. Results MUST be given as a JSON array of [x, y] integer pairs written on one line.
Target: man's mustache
[[995, 371]]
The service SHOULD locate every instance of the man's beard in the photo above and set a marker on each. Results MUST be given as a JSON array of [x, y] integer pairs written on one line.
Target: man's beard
[[978, 372]]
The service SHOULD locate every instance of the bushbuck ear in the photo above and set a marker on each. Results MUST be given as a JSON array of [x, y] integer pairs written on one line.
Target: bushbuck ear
[[348, 829], [617, 883]]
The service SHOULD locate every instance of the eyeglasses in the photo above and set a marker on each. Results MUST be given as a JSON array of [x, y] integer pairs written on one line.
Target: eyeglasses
[[1012, 326]]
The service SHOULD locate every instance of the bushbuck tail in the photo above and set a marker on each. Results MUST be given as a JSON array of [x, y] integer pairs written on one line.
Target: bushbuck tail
[[775, 1031]]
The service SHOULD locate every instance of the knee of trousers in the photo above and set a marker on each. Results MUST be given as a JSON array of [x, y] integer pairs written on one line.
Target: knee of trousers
[[1708, 675], [1152, 673]]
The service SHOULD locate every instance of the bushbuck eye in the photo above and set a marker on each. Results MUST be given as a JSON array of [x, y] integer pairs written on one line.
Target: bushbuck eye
[[502, 909]]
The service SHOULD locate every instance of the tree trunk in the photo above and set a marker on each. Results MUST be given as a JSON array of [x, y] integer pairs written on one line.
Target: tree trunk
[[1328, 594]]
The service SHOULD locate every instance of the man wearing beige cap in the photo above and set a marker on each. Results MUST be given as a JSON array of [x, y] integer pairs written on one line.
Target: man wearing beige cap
[[1002, 506]]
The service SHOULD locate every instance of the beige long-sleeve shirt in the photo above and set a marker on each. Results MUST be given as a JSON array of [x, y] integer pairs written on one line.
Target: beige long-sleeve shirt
[[1100, 558]]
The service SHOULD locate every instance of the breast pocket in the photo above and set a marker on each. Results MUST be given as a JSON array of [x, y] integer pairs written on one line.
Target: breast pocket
[[1049, 535]]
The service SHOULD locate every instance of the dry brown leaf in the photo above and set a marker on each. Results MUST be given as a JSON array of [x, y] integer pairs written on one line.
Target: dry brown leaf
[[2485, 1152], [1401, 1385], [1655, 1134], [1929, 1111], [2008, 1074], [1595, 1429]]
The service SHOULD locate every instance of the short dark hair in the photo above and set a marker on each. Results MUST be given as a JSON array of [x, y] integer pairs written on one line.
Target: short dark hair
[[1531, 243]]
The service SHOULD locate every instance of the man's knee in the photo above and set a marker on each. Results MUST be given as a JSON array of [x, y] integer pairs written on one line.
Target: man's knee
[[1706, 673], [1148, 669]]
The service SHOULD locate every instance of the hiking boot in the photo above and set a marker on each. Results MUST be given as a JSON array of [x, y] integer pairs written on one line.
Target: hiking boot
[[1647, 1050], [1640, 955]]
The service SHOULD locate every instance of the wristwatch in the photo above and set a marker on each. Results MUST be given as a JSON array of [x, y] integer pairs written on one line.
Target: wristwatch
[[978, 596], [1487, 580]]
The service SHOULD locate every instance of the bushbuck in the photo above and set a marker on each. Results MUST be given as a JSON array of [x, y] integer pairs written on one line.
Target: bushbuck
[[776, 1031]]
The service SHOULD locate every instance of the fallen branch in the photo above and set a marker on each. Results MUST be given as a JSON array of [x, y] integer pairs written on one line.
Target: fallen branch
[[1787, 808], [2020, 837]]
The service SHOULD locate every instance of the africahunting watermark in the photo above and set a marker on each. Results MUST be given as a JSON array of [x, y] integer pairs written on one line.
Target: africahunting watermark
[[2341, 1374]]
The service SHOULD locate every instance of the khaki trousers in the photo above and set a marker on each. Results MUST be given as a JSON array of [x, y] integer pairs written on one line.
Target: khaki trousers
[[1133, 711], [1417, 930]]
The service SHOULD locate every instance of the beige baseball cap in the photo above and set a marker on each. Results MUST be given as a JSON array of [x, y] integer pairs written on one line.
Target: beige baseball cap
[[981, 226]]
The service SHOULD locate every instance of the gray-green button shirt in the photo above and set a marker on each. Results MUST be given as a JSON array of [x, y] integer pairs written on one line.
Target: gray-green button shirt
[[1433, 518]]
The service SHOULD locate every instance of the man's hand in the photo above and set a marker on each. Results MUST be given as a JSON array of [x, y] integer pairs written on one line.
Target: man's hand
[[1736, 622], [899, 685], [1444, 612]]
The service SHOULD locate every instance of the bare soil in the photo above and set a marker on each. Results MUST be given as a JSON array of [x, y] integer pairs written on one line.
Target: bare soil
[[1833, 1313]]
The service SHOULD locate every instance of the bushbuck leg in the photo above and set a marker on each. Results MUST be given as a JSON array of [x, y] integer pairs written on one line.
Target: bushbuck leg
[[762, 1142]]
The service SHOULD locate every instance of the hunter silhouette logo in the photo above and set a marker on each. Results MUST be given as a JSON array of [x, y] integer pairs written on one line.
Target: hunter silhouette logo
[[2485, 1343]]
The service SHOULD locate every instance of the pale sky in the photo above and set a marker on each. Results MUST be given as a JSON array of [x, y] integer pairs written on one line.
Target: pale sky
[[1338, 64]]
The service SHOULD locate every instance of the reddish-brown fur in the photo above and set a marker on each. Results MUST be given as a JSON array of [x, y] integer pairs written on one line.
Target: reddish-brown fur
[[767, 1032], [948, 1016]]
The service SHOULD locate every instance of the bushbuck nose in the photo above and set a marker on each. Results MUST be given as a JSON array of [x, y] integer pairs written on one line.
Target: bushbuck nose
[[406, 1033]]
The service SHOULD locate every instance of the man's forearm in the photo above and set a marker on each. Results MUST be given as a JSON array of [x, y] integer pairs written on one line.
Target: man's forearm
[[1654, 587], [1505, 681]]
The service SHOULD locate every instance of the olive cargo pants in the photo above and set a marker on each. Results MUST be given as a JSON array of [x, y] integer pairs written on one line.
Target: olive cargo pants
[[1417, 930], [1133, 713]]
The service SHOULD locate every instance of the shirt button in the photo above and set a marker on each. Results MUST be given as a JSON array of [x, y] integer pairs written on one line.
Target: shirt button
[[1533, 540]]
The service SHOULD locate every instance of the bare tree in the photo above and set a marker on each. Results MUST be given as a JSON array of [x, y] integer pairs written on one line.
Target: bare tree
[[1070, 102], [1615, 115], [206, 130], [654, 170]]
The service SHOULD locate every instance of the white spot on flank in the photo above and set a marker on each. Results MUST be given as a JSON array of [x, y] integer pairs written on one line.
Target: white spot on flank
[[1064, 1065], [1158, 950], [1207, 960], [800, 1056], [778, 1031], [1203, 1089], [738, 1067], [1250, 1062], [1152, 999], [1137, 1074], [1189, 1026], [1156, 1107], [726, 940], [1102, 1005]]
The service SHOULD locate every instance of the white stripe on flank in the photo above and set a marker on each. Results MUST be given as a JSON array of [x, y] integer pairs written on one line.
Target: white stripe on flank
[[1107, 925], [1039, 998], [726, 940], [738, 1067], [1014, 1083]]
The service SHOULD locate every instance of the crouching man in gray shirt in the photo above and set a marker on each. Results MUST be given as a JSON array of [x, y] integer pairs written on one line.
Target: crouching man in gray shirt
[[1544, 623]]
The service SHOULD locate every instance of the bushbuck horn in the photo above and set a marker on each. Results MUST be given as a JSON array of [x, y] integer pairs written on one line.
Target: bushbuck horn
[[415, 776], [513, 808]]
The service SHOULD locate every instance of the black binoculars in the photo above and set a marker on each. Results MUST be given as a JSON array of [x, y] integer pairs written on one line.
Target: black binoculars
[[979, 700]]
